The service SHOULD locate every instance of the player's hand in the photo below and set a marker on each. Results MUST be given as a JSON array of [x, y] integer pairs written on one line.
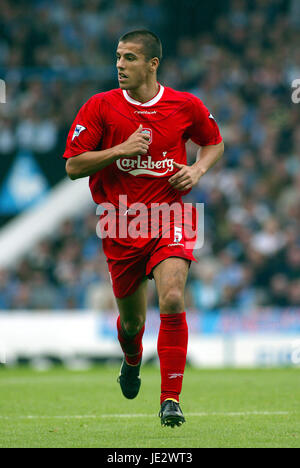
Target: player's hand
[[185, 178], [137, 143]]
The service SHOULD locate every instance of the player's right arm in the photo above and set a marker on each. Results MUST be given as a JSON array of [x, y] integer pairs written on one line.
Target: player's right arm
[[82, 156], [89, 162]]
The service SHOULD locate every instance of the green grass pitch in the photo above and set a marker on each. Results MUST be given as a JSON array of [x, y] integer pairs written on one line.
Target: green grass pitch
[[223, 408]]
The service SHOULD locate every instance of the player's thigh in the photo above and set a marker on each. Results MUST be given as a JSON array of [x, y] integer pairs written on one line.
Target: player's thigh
[[133, 308], [170, 277]]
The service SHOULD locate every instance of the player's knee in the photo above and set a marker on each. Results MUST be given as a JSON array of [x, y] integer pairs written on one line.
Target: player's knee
[[171, 302], [132, 327]]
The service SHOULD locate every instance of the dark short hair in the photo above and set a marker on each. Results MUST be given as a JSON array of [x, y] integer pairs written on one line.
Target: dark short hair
[[151, 43]]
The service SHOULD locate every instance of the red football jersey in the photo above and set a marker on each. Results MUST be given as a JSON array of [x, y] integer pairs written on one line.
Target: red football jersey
[[170, 119]]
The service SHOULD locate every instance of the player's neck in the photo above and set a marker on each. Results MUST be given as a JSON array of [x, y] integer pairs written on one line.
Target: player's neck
[[145, 92]]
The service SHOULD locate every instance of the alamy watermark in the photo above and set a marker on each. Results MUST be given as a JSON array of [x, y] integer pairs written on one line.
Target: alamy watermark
[[181, 223], [295, 354], [2, 92], [2, 353], [296, 92]]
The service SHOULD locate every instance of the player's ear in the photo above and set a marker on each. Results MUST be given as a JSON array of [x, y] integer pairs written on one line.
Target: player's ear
[[154, 63]]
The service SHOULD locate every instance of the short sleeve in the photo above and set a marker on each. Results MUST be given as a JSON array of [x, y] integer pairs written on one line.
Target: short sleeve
[[86, 131], [204, 130]]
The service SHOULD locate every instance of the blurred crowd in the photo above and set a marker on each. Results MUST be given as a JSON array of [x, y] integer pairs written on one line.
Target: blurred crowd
[[241, 62]]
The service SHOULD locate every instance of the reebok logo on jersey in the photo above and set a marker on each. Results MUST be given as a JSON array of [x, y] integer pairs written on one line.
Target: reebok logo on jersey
[[145, 165], [175, 376], [145, 112], [77, 131]]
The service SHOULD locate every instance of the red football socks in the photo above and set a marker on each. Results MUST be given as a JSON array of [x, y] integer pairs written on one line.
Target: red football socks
[[172, 349], [131, 345]]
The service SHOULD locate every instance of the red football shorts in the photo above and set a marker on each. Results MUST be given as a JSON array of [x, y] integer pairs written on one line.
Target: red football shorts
[[130, 260]]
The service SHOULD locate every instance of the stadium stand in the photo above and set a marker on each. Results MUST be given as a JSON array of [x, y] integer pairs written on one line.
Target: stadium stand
[[241, 63]]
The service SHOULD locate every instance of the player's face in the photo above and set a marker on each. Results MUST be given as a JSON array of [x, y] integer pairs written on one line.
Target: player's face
[[133, 68]]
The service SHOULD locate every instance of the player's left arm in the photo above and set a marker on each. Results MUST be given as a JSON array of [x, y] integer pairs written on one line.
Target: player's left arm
[[188, 176], [204, 131]]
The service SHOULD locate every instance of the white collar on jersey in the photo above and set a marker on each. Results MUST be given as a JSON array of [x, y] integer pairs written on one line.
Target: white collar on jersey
[[148, 103]]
